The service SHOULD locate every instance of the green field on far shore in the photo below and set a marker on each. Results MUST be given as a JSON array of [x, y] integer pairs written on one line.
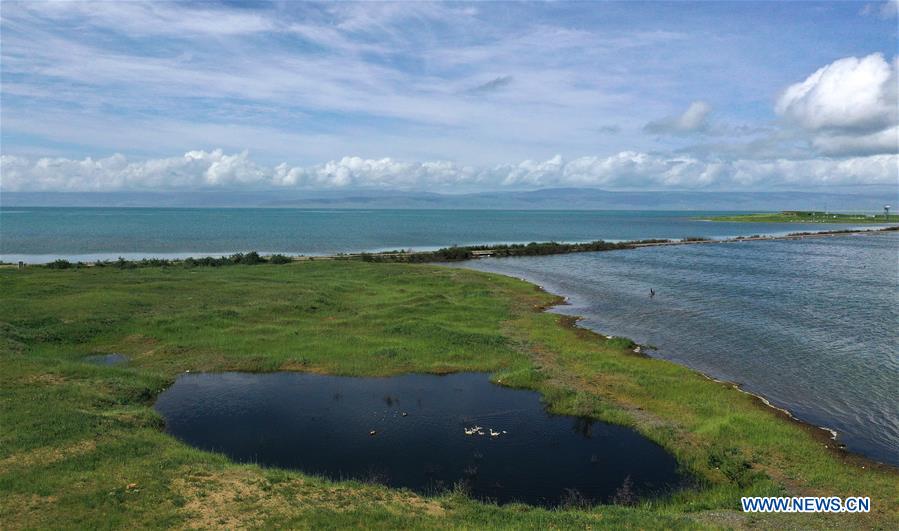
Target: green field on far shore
[[81, 446], [798, 216]]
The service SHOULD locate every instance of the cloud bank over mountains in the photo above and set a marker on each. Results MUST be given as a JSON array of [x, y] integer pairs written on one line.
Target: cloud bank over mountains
[[626, 170]]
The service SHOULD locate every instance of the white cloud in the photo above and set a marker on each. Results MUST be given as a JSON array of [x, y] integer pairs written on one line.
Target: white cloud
[[885, 141], [694, 119], [848, 107], [196, 169], [624, 170], [849, 94]]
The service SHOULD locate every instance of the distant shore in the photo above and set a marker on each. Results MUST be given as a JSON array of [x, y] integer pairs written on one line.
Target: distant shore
[[800, 216]]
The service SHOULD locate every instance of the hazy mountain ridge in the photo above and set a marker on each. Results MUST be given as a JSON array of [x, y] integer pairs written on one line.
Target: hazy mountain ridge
[[545, 199]]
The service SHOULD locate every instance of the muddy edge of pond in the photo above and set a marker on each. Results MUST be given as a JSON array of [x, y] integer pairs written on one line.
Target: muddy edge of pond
[[827, 437]]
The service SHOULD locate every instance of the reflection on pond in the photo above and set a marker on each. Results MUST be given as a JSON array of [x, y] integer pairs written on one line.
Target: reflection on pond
[[423, 432]]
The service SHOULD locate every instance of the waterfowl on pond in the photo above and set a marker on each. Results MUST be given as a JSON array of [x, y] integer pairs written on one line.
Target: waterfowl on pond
[[494, 433]]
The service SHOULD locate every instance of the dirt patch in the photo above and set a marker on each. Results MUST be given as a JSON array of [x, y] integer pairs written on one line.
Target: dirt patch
[[29, 510], [44, 379], [241, 498], [47, 455]]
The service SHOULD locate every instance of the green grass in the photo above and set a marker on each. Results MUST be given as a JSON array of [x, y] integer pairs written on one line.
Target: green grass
[[807, 217], [74, 436]]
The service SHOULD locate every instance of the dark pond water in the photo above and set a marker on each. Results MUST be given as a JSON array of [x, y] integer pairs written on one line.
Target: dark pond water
[[322, 425]]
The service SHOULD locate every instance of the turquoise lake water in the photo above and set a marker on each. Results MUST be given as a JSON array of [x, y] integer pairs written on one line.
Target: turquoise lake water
[[44, 234]]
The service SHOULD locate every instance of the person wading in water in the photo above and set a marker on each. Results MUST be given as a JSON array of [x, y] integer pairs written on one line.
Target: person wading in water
[[652, 293]]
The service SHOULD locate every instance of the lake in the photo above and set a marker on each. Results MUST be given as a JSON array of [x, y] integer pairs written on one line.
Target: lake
[[409, 431], [36, 235], [812, 324]]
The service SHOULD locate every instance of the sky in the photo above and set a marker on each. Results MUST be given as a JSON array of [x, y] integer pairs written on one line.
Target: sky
[[448, 97]]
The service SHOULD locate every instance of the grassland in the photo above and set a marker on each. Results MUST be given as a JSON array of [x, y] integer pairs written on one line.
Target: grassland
[[807, 217], [81, 446]]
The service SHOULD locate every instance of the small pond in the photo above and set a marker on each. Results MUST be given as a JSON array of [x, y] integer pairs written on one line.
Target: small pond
[[417, 431]]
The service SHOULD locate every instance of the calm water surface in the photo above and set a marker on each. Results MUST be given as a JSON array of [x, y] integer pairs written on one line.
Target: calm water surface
[[43, 234], [322, 424], [812, 325]]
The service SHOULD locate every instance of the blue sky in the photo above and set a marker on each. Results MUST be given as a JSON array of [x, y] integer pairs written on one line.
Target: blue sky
[[448, 96]]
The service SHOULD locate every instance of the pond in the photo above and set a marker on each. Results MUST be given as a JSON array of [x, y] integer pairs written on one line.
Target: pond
[[427, 433]]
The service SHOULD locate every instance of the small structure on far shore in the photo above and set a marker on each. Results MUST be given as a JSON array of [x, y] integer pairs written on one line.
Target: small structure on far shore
[[886, 212]]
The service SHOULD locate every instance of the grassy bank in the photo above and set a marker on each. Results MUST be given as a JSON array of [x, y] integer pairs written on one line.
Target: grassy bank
[[80, 445], [807, 217]]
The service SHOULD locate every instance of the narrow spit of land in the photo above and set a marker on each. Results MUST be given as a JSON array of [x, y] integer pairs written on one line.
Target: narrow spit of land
[[460, 253], [803, 216]]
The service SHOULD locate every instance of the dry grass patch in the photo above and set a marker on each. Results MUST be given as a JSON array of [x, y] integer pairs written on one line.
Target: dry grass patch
[[245, 497], [46, 455], [27, 508]]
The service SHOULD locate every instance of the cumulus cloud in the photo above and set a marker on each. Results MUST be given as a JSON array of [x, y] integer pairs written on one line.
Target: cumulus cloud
[[848, 94], [626, 169], [195, 169], [848, 107], [694, 119]]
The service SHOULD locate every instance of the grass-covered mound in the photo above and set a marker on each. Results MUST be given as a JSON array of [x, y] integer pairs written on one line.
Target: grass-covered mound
[[81, 447]]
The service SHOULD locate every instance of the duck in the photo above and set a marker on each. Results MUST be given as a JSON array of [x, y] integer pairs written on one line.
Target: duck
[[494, 433], [469, 431]]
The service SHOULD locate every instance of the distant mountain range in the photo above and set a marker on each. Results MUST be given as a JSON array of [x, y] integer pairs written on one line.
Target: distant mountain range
[[546, 199]]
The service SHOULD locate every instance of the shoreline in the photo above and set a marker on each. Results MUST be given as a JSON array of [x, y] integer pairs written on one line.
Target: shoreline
[[457, 253], [829, 437]]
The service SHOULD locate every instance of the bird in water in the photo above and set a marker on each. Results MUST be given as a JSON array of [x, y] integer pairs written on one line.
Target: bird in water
[[652, 293]]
